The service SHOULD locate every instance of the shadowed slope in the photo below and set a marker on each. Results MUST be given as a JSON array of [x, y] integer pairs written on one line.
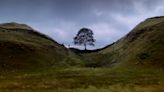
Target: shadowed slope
[[143, 47], [21, 47]]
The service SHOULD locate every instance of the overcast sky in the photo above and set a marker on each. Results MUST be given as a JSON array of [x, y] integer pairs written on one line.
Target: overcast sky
[[61, 19]]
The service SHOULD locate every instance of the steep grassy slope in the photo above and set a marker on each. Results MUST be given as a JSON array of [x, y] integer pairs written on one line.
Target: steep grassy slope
[[21, 47], [24, 49], [142, 47]]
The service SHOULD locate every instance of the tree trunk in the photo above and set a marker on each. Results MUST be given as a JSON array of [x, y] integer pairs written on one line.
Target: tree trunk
[[85, 47]]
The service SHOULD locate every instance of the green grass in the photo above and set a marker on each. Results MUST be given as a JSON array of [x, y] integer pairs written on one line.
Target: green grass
[[14, 25], [23, 50], [149, 22], [31, 62], [84, 80], [142, 47], [113, 88]]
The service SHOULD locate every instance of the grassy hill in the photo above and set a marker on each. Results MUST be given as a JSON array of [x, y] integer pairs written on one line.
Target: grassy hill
[[132, 64], [142, 47], [21, 48]]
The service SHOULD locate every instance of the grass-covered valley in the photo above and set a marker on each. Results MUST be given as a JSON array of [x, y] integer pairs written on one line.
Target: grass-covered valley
[[33, 62]]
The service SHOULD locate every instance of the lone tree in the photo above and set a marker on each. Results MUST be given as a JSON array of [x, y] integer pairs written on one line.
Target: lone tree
[[84, 37]]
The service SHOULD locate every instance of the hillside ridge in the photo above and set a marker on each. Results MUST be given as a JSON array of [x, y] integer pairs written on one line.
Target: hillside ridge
[[26, 49], [141, 47], [17, 27]]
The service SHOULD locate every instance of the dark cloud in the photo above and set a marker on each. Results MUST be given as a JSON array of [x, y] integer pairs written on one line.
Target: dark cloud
[[61, 19]]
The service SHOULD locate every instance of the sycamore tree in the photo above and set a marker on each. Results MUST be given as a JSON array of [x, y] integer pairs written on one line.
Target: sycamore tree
[[84, 37]]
